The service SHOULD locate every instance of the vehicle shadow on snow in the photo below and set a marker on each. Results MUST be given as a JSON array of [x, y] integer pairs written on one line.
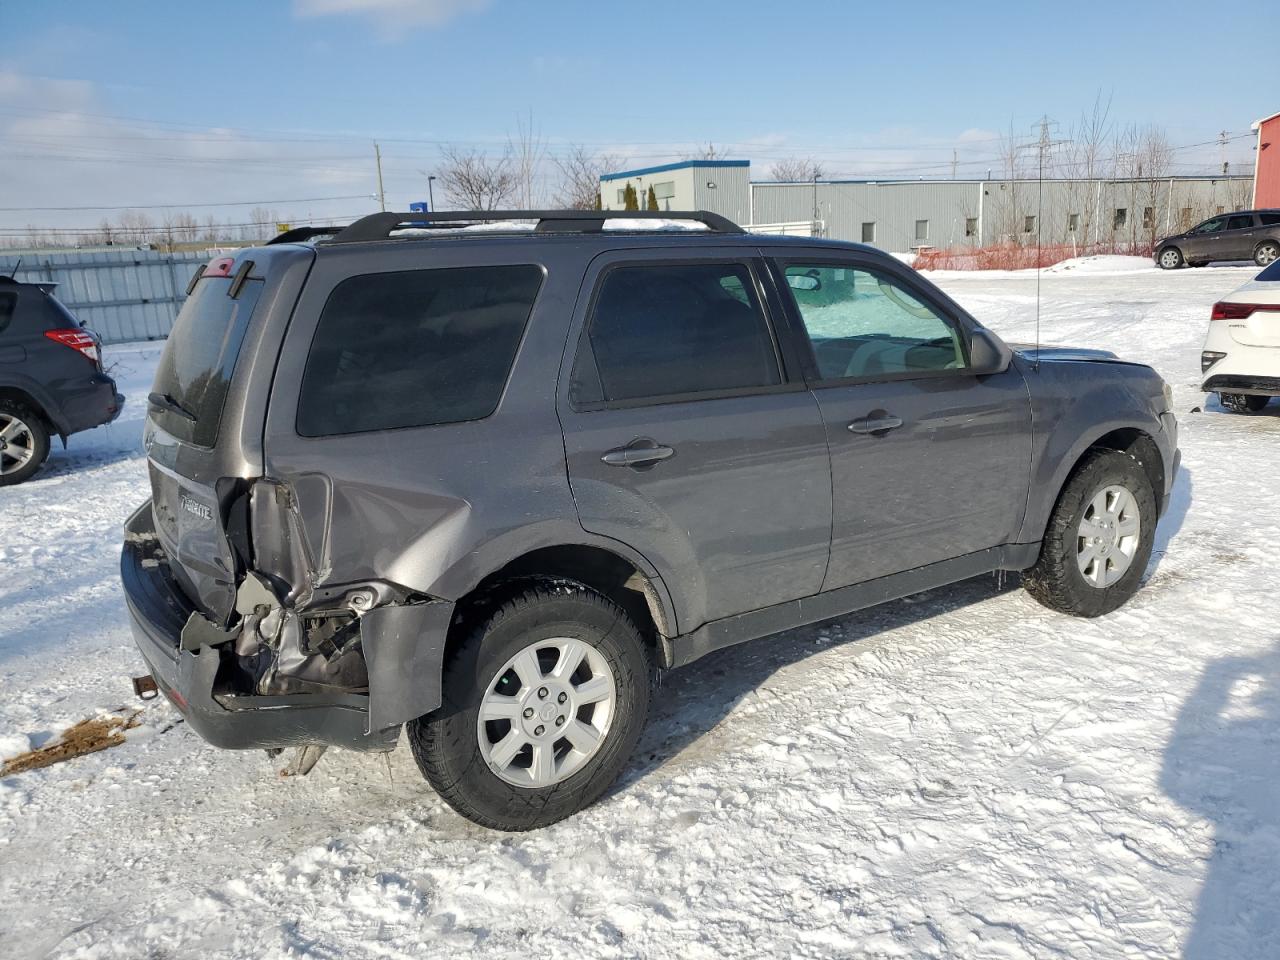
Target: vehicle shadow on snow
[[1221, 764], [695, 699], [1171, 523]]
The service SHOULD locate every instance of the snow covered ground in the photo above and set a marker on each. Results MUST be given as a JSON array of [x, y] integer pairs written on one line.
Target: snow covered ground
[[962, 774]]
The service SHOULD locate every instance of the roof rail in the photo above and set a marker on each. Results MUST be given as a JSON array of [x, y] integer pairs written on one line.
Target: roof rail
[[379, 226], [302, 234]]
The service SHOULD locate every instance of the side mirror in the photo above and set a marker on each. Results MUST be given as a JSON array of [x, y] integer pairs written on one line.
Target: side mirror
[[988, 353]]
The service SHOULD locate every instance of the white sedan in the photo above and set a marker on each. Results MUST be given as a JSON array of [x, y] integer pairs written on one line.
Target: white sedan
[[1241, 358]]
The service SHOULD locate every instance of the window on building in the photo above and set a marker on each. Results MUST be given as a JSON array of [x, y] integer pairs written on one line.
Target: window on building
[[864, 324], [869, 231], [622, 196], [665, 330], [970, 226], [1029, 224], [922, 231], [1220, 210], [1073, 222], [414, 348], [1121, 217], [1185, 218], [1148, 218], [665, 190]]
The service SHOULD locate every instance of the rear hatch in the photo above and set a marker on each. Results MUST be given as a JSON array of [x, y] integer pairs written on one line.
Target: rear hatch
[[1253, 312], [198, 477]]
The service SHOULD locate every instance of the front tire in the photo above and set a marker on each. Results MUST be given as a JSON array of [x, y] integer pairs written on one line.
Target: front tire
[[1242, 402], [24, 442], [543, 703], [1170, 258], [1266, 253], [1099, 538]]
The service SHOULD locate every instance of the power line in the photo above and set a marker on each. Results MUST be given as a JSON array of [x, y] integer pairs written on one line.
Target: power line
[[184, 206]]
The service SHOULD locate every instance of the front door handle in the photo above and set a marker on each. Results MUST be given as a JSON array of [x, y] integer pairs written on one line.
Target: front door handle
[[876, 423], [638, 453]]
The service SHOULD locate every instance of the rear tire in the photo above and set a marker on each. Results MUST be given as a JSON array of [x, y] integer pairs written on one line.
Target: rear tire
[[1170, 258], [550, 744], [24, 442], [1266, 253], [1091, 559], [1242, 402]]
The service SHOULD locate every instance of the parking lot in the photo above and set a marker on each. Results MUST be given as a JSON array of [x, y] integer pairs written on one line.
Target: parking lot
[[962, 772]]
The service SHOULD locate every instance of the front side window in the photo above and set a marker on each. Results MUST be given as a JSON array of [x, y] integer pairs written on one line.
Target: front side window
[[665, 330], [414, 348], [1211, 226], [864, 324]]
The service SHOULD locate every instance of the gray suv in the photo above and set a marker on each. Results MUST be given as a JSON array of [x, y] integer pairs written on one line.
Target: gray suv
[[488, 481], [1244, 235], [51, 378]]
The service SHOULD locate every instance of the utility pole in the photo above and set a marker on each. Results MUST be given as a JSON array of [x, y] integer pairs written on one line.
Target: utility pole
[[953, 163], [382, 196], [1222, 150]]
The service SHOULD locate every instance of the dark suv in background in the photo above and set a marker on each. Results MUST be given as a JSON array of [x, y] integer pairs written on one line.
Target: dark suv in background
[[486, 483], [51, 377], [1244, 235]]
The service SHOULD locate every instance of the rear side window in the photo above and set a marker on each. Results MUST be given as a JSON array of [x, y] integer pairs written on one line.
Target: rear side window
[[415, 348], [199, 358], [1270, 219], [8, 301], [666, 330]]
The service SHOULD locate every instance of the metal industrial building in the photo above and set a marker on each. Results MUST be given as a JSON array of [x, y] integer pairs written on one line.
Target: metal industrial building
[[908, 215]]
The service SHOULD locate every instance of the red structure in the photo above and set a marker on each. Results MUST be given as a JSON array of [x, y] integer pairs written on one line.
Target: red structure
[[1266, 177]]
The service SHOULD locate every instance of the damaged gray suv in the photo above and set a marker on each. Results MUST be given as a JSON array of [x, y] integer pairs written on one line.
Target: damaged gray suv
[[486, 481]]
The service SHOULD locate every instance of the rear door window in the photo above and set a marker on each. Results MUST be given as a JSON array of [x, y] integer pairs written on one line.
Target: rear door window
[[1240, 222], [664, 330], [199, 358], [415, 348]]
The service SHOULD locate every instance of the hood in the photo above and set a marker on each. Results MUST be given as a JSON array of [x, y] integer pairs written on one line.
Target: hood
[[1030, 351]]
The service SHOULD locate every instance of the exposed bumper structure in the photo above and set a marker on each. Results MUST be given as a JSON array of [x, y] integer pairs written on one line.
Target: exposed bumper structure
[[404, 644]]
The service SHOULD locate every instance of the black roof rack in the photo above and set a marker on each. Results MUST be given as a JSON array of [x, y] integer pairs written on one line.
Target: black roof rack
[[380, 226], [302, 234]]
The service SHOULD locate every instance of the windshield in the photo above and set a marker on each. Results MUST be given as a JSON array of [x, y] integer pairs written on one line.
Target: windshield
[[199, 358]]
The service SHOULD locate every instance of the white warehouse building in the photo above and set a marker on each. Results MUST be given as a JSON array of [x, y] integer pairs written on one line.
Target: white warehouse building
[[902, 216]]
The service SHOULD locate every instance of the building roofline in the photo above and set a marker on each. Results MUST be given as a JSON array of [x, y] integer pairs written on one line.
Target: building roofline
[[679, 165], [1257, 123], [873, 181]]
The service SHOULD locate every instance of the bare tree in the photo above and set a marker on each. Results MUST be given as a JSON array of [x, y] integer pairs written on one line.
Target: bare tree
[[1083, 165], [797, 169], [135, 227], [1155, 158], [528, 151], [708, 152], [261, 225], [473, 181], [580, 172], [212, 231]]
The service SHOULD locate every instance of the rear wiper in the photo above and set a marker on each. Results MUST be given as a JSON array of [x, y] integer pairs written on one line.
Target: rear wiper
[[166, 402]]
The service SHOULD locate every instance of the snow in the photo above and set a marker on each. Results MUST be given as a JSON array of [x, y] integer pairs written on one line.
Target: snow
[[960, 774]]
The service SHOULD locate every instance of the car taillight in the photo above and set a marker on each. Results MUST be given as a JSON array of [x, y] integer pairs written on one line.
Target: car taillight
[[1225, 310], [76, 340]]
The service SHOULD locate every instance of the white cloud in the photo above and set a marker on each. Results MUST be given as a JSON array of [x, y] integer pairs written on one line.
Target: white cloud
[[391, 17]]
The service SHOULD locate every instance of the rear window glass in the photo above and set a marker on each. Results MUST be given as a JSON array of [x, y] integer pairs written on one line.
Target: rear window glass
[[1271, 273], [7, 302], [667, 330], [415, 348], [200, 356]]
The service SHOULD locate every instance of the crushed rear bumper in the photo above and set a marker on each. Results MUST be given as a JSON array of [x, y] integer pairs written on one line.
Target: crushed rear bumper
[[158, 613]]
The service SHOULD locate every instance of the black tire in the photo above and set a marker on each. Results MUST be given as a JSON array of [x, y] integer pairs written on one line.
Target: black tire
[[1056, 580], [445, 743], [33, 426], [1242, 402], [1266, 253], [1170, 258]]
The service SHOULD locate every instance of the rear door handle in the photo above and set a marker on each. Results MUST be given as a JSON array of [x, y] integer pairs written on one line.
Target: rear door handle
[[877, 424], [638, 453]]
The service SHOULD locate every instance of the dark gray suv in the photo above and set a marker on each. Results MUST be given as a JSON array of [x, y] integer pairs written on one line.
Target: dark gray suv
[[1244, 235], [51, 378], [489, 482]]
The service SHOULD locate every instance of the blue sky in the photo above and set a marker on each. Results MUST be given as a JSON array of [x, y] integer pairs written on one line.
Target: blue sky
[[150, 103]]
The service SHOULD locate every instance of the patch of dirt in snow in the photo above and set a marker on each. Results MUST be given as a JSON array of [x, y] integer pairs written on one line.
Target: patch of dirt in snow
[[87, 736]]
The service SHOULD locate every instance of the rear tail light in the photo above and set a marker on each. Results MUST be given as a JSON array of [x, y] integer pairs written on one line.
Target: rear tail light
[[218, 267], [76, 340], [1225, 310]]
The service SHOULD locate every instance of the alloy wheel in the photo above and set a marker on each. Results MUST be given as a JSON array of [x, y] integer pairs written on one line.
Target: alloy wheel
[[546, 712], [1108, 537], [1266, 254], [17, 444]]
